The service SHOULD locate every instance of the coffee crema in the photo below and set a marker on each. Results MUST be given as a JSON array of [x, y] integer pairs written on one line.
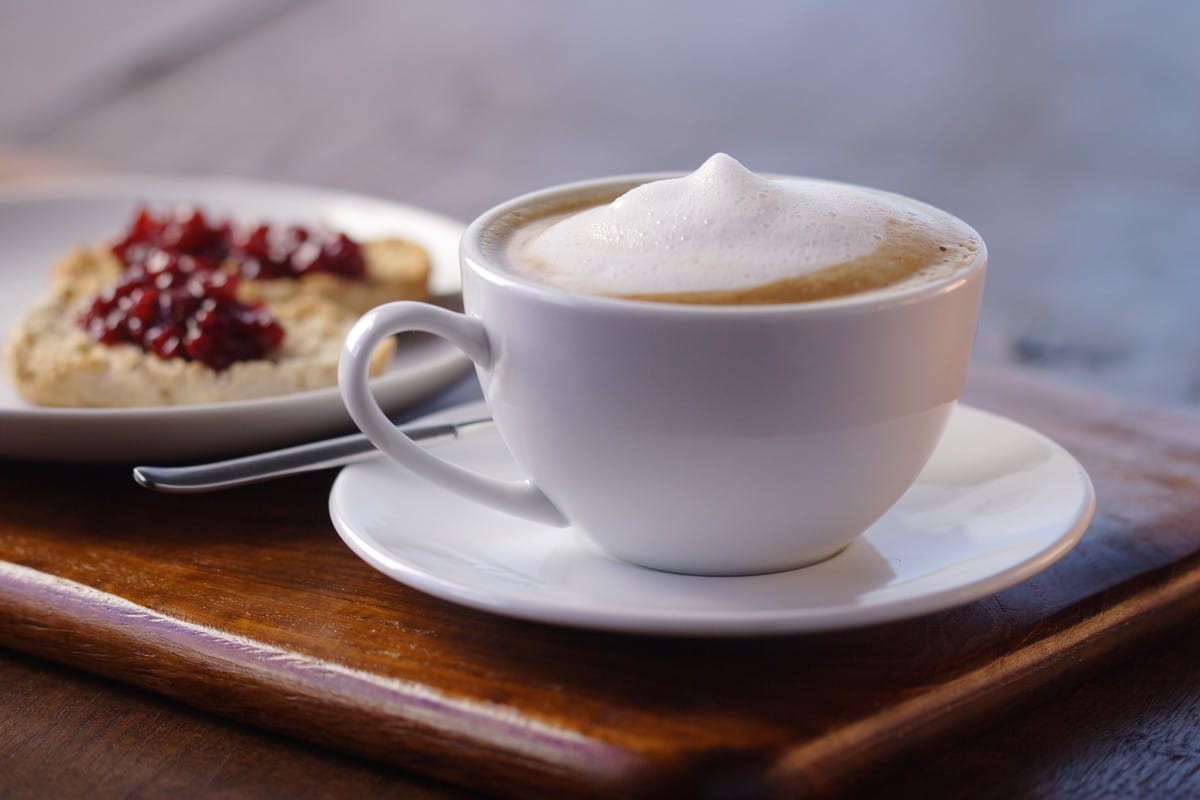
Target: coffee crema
[[725, 236]]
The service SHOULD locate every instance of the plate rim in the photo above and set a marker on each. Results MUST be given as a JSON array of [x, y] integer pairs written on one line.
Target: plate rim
[[732, 624]]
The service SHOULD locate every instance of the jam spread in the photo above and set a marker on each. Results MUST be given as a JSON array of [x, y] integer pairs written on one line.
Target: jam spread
[[172, 306], [177, 298], [266, 252], [185, 231], [263, 251]]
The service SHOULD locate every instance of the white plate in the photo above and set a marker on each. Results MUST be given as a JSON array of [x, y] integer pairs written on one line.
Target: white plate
[[997, 503], [39, 224]]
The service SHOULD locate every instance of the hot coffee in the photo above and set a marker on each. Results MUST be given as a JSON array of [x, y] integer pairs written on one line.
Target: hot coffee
[[726, 236]]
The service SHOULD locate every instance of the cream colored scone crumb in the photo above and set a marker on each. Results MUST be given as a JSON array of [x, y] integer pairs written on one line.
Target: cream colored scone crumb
[[51, 360], [80, 275]]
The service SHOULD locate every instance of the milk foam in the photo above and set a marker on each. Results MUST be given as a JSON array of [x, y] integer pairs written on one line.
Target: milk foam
[[725, 228]]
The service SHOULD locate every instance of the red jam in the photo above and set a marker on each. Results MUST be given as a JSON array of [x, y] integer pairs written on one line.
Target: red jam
[[259, 252], [266, 252], [175, 300], [174, 306], [185, 231]]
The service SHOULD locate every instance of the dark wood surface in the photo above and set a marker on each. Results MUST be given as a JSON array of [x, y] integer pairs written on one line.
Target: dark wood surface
[[247, 605], [64, 734], [1125, 732]]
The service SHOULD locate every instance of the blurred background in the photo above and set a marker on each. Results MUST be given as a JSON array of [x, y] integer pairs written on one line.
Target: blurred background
[[1067, 133]]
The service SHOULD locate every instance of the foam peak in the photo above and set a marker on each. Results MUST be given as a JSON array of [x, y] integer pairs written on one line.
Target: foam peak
[[724, 228]]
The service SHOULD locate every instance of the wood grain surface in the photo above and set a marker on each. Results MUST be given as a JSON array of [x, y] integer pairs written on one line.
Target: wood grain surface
[[247, 605], [80, 736], [1127, 732]]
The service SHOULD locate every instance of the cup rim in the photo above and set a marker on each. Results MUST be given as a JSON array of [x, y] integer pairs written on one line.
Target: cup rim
[[473, 257]]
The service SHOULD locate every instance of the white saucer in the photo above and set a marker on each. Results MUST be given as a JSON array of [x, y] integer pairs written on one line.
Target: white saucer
[[996, 504]]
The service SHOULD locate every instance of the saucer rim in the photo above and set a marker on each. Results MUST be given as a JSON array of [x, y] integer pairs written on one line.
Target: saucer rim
[[723, 624]]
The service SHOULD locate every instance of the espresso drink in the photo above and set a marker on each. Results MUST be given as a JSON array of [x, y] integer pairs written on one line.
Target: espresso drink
[[725, 236]]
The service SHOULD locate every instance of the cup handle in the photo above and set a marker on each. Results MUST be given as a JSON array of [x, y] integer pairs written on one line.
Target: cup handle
[[519, 498]]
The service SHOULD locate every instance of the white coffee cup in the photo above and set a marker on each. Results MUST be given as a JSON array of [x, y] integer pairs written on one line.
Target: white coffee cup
[[715, 440]]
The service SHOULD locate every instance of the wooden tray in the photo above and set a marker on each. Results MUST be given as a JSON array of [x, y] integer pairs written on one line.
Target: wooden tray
[[248, 605]]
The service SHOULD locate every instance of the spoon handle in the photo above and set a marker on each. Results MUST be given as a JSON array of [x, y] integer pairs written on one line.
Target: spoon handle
[[288, 461]]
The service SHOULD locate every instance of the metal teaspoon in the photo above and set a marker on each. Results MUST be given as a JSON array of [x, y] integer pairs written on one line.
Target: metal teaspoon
[[289, 460]]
